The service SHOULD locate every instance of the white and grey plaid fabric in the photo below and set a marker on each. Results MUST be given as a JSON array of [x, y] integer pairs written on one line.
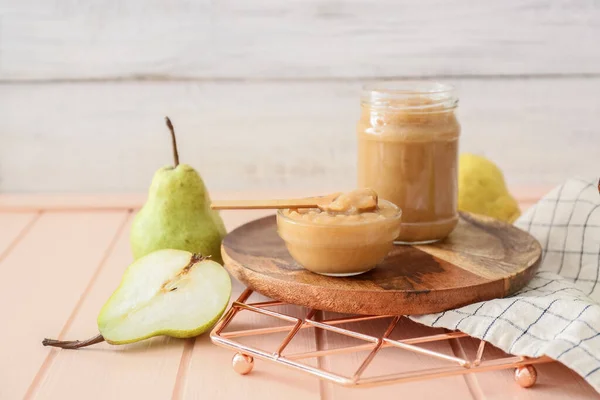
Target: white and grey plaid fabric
[[558, 313]]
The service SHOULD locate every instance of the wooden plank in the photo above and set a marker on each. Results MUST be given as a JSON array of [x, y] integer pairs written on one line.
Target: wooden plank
[[296, 39], [263, 136], [46, 274], [389, 361], [12, 228], [555, 381], [19, 203], [209, 373], [142, 370], [530, 194]]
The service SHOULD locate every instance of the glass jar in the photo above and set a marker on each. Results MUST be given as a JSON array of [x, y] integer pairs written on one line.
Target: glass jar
[[408, 152]]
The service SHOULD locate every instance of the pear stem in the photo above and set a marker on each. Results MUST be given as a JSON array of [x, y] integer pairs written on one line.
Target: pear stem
[[173, 140], [73, 344]]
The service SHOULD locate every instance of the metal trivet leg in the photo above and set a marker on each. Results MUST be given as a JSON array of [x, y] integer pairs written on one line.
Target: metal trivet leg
[[526, 376], [242, 363]]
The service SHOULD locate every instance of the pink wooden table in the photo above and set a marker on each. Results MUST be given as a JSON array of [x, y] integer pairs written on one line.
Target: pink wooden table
[[62, 256]]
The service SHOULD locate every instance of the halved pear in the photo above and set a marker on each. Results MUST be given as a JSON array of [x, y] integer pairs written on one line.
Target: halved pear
[[168, 292]]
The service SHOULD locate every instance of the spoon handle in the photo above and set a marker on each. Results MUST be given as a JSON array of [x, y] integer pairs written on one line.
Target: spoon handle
[[310, 202]]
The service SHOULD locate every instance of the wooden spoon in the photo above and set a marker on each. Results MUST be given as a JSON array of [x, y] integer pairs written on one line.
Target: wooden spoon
[[321, 202]]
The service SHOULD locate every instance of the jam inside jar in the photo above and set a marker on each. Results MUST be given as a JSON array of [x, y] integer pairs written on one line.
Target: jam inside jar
[[408, 153]]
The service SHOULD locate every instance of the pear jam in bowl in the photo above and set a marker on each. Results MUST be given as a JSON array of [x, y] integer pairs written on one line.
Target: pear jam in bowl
[[344, 240]]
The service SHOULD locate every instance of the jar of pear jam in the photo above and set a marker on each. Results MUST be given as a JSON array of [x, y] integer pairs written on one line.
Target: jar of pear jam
[[408, 153]]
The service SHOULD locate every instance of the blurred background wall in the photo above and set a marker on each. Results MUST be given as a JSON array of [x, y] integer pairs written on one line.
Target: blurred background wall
[[264, 93]]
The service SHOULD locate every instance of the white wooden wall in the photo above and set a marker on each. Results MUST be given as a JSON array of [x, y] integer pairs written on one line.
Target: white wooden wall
[[264, 93]]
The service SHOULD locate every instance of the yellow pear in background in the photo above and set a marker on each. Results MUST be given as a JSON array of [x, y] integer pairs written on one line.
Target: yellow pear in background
[[177, 214], [482, 189]]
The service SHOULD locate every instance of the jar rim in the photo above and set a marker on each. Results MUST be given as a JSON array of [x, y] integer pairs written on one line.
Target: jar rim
[[409, 86], [384, 93]]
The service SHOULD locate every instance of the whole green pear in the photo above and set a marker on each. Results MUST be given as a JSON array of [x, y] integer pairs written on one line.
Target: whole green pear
[[177, 214]]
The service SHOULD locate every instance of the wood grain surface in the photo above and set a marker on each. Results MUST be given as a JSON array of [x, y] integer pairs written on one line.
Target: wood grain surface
[[111, 138], [265, 93], [61, 262], [58, 257], [481, 259], [296, 39]]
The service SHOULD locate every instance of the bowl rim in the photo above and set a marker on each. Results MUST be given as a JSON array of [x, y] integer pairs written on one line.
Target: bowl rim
[[395, 217]]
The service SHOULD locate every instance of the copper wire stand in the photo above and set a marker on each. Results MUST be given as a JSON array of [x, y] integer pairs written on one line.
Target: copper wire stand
[[243, 360]]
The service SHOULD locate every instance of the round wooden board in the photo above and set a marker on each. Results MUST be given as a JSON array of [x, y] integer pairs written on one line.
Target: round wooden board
[[481, 260]]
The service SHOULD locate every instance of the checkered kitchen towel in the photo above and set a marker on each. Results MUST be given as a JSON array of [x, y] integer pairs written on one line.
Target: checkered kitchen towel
[[558, 313]]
